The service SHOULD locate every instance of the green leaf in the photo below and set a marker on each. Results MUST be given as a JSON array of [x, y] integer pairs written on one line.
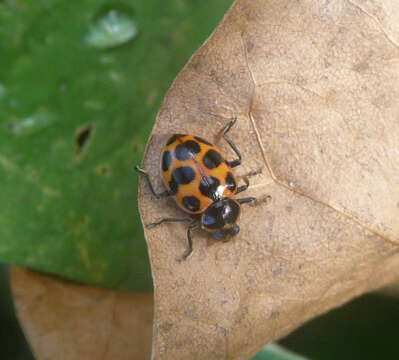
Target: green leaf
[[80, 85], [276, 352]]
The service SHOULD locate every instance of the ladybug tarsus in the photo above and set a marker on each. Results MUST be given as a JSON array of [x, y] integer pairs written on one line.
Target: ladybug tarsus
[[189, 250], [235, 162], [229, 125], [147, 178], [193, 223]]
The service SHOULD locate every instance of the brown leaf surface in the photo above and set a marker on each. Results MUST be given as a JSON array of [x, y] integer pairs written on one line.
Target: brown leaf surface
[[66, 321], [315, 87], [391, 289]]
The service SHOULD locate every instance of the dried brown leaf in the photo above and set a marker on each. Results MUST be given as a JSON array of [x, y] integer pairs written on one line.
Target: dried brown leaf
[[315, 87], [391, 290], [66, 321]]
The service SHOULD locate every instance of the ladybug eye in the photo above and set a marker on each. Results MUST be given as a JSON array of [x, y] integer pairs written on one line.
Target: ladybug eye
[[209, 221], [234, 230]]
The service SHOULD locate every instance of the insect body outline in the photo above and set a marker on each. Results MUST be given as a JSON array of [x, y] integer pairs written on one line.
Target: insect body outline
[[201, 179]]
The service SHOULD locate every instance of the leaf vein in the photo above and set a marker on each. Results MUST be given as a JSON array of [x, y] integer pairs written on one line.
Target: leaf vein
[[342, 212]]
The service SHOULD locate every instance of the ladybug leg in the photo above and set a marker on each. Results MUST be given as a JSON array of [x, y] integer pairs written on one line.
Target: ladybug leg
[[193, 223], [243, 187], [227, 128], [164, 194], [189, 250], [168, 220], [246, 200]]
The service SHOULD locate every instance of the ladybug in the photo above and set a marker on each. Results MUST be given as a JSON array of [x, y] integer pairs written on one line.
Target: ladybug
[[202, 181]]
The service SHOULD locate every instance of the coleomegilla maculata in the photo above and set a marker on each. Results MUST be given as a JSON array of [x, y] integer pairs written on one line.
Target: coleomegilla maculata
[[202, 182]]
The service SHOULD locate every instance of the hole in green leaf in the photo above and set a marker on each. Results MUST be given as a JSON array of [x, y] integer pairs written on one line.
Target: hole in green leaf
[[82, 137], [103, 170]]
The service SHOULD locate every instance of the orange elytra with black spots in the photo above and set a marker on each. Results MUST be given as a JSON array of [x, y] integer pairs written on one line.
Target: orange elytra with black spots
[[202, 181], [196, 173]]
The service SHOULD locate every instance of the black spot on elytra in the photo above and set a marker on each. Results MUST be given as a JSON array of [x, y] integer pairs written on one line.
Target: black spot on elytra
[[183, 175], [212, 159], [173, 138], [166, 160], [187, 150], [173, 186], [230, 181], [202, 140], [191, 203], [208, 187]]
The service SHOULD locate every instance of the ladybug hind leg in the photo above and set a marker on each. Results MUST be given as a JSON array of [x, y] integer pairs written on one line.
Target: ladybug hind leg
[[226, 129], [161, 195]]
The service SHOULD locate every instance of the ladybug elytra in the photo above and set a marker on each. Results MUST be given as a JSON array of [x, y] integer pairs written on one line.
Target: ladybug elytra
[[202, 181]]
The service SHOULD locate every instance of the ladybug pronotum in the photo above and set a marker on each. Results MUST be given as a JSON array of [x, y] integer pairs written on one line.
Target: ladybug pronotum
[[202, 181]]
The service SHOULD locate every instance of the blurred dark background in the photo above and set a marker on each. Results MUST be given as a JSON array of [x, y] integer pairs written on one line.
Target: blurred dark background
[[12, 341], [365, 328]]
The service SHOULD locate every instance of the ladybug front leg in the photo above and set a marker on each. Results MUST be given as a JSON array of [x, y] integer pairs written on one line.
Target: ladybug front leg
[[243, 187], [246, 200], [164, 194], [227, 128], [193, 223], [189, 250]]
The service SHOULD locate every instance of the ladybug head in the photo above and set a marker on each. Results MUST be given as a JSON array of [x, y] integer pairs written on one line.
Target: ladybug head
[[220, 218]]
